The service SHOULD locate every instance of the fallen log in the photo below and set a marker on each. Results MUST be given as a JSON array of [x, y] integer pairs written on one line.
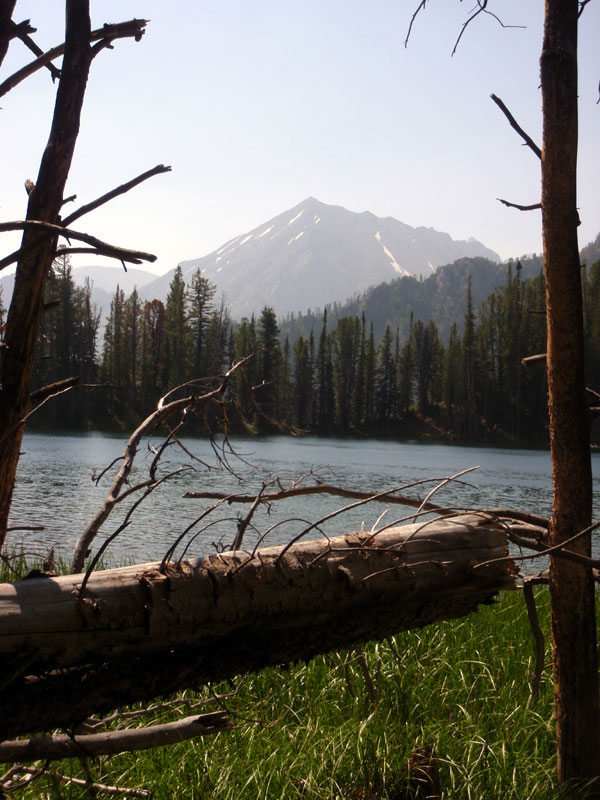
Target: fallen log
[[140, 632]]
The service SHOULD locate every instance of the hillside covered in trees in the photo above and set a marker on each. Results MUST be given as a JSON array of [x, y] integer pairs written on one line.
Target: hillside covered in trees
[[439, 358]]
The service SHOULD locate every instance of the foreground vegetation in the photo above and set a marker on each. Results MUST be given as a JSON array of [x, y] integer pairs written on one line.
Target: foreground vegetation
[[317, 731]]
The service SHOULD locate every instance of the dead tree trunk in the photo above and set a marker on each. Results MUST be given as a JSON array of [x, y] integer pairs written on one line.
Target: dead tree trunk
[[571, 585], [139, 632], [26, 309]]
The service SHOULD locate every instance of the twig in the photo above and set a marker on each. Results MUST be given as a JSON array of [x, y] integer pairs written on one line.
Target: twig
[[515, 125], [33, 774], [481, 9], [531, 207], [536, 632], [364, 668], [420, 7], [243, 523], [440, 485]]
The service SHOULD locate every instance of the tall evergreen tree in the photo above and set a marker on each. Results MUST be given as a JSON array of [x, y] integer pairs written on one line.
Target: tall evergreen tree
[[302, 383], [325, 407], [200, 299], [386, 381], [153, 355], [177, 339], [345, 347], [269, 362]]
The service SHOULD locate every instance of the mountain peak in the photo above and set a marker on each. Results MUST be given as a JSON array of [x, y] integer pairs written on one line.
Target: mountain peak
[[316, 253]]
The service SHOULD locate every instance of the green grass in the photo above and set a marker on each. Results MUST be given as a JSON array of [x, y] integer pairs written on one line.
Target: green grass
[[311, 731]]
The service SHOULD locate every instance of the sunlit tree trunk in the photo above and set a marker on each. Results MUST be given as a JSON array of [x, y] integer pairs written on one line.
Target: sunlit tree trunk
[[571, 585]]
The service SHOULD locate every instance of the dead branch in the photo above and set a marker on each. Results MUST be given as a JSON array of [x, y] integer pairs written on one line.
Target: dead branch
[[53, 388], [245, 521], [420, 7], [104, 247], [22, 31], [480, 8], [321, 488], [384, 497], [95, 252], [162, 411], [133, 29], [54, 748], [9, 785], [515, 126], [440, 485], [159, 169], [536, 632], [532, 207], [90, 785], [533, 359], [57, 389], [557, 549], [93, 725]]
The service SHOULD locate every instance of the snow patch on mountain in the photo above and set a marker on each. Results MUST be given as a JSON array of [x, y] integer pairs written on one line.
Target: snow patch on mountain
[[296, 217], [400, 270], [294, 238]]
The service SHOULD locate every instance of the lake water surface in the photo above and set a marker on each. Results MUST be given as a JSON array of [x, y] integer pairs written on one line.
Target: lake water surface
[[55, 488]]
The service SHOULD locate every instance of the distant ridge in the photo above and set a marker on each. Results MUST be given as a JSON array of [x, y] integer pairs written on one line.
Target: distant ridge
[[315, 254]]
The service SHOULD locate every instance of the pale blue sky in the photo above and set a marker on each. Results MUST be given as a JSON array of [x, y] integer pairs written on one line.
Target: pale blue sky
[[257, 105]]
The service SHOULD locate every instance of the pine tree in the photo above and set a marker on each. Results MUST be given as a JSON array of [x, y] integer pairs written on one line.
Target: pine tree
[[177, 338], [269, 361], [325, 407], [345, 344], [153, 355], [406, 367], [386, 382], [245, 344], [302, 383], [200, 299]]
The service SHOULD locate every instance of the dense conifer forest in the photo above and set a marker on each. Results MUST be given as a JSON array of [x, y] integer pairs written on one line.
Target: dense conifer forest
[[456, 379]]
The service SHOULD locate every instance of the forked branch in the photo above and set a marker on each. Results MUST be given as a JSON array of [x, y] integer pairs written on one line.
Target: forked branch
[[103, 247], [133, 29]]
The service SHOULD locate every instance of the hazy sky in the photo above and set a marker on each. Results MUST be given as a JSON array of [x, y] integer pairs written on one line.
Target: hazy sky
[[257, 105]]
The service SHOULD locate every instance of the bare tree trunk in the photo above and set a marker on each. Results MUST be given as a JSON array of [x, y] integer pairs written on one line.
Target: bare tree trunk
[[26, 309], [571, 586], [143, 631]]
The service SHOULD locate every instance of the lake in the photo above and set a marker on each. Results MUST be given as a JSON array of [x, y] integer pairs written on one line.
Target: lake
[[55, 488]]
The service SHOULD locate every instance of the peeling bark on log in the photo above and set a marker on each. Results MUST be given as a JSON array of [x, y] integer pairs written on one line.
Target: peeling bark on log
[[138, 632]]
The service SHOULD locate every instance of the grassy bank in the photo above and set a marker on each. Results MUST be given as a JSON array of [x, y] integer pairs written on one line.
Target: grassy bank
[[312, 731]]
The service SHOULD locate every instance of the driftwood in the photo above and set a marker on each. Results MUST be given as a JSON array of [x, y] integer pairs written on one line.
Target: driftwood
[[138, 632]]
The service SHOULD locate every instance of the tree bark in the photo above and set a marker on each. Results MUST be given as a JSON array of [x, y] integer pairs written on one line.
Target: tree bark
[[571, 585], [26, 309], [138, 632]]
